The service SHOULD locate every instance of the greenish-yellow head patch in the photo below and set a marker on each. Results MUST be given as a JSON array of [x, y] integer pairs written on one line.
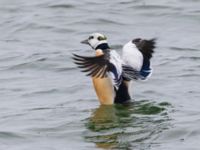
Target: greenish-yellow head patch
[[101, 38]]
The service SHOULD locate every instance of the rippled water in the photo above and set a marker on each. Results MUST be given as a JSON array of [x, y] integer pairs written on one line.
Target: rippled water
[[47, 104]]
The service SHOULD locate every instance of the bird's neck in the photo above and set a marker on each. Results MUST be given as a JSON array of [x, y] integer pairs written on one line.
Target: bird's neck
[[103, 46]]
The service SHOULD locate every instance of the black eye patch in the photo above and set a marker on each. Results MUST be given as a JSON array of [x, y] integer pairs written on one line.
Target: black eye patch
[[91, 37]]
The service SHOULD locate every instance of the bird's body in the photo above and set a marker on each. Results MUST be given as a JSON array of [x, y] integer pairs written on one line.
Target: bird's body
[[104, 90], [111, 74], [104, 86]]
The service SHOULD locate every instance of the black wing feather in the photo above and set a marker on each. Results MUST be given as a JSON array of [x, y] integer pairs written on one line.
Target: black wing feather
[[96, 66], [129, 73], [145, 46]]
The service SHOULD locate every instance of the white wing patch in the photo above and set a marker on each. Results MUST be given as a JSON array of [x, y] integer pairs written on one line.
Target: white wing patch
[[132, 57]]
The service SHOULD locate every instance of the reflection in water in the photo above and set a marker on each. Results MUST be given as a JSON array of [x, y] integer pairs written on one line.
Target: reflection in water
[[127, 126]]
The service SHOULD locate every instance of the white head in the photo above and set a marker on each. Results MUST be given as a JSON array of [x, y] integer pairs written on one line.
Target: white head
[[95, 39]]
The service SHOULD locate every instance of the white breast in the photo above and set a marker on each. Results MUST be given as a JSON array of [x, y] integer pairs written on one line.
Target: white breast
[[132, 56]]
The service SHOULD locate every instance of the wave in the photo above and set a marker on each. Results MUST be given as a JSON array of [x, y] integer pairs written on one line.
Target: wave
[[64, 6], [127, 126]]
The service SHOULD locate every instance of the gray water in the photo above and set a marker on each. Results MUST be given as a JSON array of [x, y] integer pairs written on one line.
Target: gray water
[[46, 103]]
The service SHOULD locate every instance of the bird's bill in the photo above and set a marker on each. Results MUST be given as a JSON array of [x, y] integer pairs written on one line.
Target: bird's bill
[[85, 41]]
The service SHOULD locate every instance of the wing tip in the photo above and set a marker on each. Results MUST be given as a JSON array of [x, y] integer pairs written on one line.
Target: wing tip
[[88, 65]]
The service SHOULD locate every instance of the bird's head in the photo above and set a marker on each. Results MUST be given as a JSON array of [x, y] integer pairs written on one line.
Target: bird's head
[[95, 39]]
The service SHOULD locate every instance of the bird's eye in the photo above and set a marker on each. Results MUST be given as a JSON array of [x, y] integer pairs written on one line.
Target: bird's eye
[[91, 37]]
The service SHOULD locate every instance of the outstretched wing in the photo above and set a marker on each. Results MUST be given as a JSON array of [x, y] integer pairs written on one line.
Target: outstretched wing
[[136, 56], [108, 64], [147, 49], [146, 46], [96, 66]]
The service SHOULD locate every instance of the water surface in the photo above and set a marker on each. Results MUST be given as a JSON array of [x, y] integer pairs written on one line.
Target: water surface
[[47, 104]]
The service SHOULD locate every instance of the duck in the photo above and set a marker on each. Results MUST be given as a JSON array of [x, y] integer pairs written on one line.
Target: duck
[[111, 73]]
